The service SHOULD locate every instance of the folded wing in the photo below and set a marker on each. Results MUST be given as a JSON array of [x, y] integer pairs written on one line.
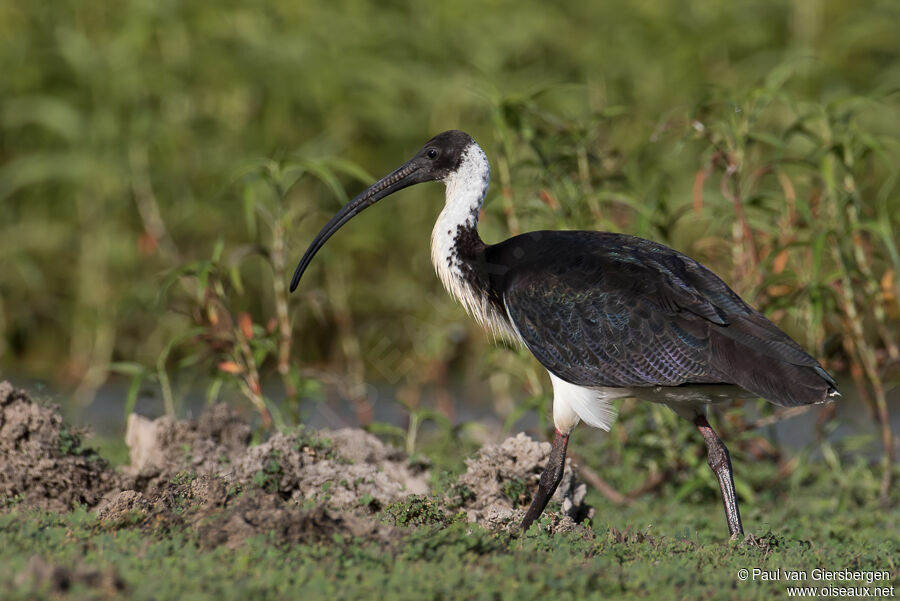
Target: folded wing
[[610, 310]]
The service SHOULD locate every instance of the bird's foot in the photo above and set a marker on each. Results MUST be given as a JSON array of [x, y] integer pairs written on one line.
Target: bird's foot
[[765, 543]]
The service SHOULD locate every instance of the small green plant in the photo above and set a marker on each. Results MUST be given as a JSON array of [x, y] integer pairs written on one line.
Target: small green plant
[[184, 478], [269, 477], [9, 502], [458, 495], [69, 442], [369, 502], [415, 510], [515, 490]]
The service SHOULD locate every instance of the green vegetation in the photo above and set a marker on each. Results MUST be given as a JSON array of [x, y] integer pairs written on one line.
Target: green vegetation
[[655, 544], [415, 510], [800, 513], [163, 165]]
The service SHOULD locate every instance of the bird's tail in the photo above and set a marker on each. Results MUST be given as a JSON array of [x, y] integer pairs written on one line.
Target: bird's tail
[[754, 354]]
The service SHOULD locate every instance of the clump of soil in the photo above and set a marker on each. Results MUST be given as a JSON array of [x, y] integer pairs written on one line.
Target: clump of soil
[[346, 469], [302, 486], [219, 515], [501, 480], [162, 448], [44, 464]]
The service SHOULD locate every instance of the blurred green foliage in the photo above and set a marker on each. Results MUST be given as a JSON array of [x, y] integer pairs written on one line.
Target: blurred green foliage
[[163, 164]]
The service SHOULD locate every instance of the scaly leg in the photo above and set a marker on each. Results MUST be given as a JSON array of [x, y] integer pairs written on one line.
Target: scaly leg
[[550, 479], [720, 462]]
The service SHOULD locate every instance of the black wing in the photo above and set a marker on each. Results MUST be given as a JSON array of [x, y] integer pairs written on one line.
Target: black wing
[[601, 309]]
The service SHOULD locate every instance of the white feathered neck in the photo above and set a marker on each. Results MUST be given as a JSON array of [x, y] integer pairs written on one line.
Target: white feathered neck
[[466, 190]]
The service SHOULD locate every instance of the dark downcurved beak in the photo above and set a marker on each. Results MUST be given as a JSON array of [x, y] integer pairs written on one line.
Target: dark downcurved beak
[[405, 176]]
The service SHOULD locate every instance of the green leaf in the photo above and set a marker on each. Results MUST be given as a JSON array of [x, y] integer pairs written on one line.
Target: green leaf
[[133, 390], [212, 391], [350, 168], [44, 167], [249, 203], [767, 138], [397, 434], [128, 368], [744, 490], [327, 176]]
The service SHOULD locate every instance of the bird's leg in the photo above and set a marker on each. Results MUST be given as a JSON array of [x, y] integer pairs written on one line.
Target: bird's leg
[[550, 479], [720, 462]]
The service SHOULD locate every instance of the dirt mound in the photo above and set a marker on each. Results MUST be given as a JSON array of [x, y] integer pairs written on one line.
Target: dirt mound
[[200, 474], [300, 486], [44, 464], [346, 469], [220, 515], [161, 449], [501, 480]]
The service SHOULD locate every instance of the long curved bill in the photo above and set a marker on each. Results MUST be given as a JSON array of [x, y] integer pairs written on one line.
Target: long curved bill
[[403, 177]]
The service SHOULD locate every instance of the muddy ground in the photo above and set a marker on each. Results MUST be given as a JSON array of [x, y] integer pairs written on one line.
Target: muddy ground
[[300, 486]]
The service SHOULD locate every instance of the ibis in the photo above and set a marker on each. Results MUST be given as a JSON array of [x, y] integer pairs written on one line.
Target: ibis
[[608, 315]]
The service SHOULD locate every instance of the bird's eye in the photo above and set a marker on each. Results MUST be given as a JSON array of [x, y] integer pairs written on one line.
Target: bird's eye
[[432, 153]]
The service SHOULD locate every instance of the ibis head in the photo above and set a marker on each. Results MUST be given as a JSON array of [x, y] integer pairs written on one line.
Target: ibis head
[[440, 157]]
